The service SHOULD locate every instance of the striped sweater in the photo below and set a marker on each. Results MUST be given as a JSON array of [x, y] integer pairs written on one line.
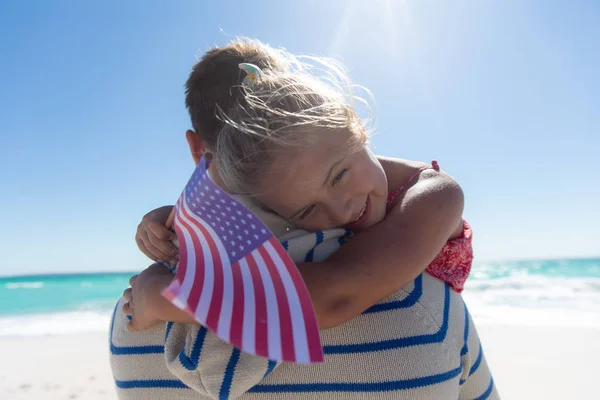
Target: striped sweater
[[419, 343]]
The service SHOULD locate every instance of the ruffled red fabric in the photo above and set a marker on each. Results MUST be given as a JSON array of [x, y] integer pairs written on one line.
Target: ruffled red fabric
[[454, 261]]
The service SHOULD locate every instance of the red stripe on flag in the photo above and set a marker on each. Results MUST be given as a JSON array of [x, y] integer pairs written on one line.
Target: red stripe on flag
[[261, 336], [171, 292], [288, 351], [214, 312], [196, 289], [312, 328], [237, 312], [182, 248], [182, 265]]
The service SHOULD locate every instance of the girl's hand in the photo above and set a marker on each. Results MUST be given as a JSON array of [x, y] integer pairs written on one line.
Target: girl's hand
[[144, 297], [154, 239]]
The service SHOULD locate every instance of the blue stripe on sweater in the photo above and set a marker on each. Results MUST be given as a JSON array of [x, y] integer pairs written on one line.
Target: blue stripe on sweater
[[400, 342], [319, 236], [129, 350], [357, 387], [151, 383], [413, 297], [477, 362], [191, 363], [229, 373], [487, 392], [344, 239], [270, 367], [465, 348], [168, 330]]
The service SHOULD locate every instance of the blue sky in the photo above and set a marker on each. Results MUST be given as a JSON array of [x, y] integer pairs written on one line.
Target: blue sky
[[505, 94]]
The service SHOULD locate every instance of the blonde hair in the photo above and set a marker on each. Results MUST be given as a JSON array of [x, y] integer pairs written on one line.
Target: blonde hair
[[214, 82], [283, 111]]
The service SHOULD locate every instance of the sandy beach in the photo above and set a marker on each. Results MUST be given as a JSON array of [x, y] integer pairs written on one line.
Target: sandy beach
[[538, 362], [56, 367], [547, 362]]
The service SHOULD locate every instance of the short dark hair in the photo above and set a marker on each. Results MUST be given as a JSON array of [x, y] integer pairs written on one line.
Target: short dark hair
[[214, 83]]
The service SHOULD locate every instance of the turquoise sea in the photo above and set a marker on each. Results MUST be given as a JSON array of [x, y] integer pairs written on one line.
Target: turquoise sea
[[563, 291]]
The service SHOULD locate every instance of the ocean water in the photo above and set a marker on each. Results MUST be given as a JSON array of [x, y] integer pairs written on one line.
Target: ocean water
[[59, 304], [555, 292]]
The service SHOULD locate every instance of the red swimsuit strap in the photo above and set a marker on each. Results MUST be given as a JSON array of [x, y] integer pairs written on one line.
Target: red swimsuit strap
[[393, 195]]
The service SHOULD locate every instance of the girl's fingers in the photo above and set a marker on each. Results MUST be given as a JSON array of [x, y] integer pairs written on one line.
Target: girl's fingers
[[127, 294], [127, 309], [157, 235], [132, 281], [132, 326], [152, 251], [143, 249], [160, 231]]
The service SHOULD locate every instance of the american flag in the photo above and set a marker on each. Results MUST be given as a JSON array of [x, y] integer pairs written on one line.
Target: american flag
[[235, 278]]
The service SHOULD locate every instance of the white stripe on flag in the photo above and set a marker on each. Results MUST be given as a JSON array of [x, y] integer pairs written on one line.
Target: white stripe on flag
[[298, 326], [224, 327], [209, 278], [179, 303], [249, 324], [190, 273], [172, 292], [274, 328]]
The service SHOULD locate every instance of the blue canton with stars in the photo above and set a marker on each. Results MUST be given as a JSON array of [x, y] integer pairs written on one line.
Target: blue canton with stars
[[240, 231]]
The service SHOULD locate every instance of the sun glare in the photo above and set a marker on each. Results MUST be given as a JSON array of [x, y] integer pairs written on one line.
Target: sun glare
[[386, 23]]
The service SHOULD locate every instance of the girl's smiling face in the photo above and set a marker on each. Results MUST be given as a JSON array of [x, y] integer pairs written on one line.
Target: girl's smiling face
[[334, 182]]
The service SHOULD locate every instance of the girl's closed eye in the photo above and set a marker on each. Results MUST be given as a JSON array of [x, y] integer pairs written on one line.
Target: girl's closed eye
[[339, 177], [307, 212]]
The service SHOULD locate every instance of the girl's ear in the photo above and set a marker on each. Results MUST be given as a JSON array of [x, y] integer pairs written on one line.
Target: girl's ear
[[196, 144]]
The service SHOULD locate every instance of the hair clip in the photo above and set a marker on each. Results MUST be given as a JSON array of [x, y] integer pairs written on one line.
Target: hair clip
[[253, 74]]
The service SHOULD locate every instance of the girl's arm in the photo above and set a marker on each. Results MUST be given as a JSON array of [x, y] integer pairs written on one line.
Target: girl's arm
[[145, 304], [389, 255], [379, 262], [154, 239]]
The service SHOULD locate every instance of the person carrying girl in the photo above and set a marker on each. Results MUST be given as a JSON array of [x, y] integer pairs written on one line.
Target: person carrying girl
[[406, 346]]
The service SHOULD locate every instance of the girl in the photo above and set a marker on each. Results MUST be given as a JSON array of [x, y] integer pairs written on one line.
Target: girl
[[293, 144]]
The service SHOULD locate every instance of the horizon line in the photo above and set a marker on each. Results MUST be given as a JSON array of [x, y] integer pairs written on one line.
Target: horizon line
[[109, 272]]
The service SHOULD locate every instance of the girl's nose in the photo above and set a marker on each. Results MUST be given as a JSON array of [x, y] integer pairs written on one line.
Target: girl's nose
[[343, 212]]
